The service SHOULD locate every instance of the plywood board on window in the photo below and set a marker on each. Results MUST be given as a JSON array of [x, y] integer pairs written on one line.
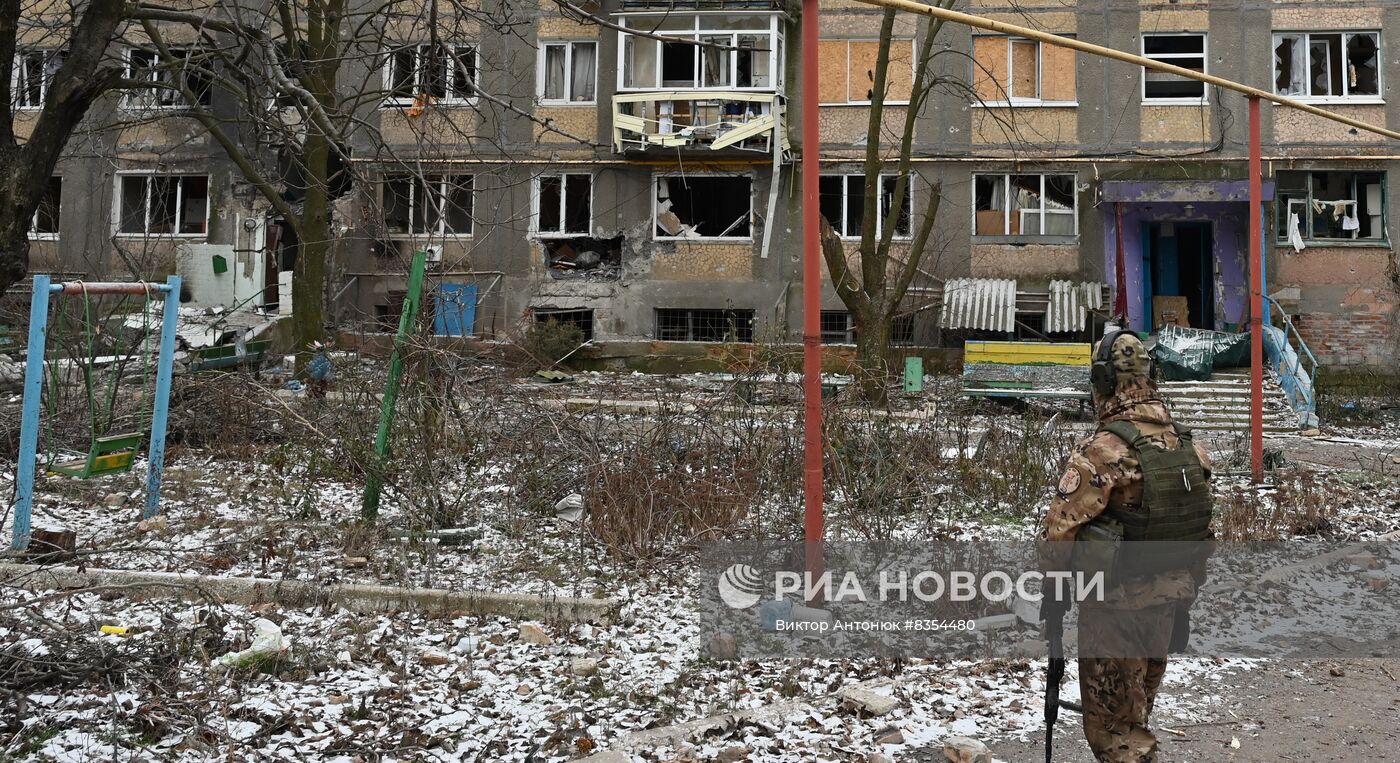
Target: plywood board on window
[[898, 78], [989, 68], [833, 64], [1057, 79]]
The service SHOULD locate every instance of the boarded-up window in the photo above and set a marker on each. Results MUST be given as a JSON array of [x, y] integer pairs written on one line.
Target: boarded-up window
[[1025, 72], [848, 70]]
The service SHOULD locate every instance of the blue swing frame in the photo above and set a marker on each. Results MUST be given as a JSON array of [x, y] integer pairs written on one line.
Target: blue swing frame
[[27, 466]]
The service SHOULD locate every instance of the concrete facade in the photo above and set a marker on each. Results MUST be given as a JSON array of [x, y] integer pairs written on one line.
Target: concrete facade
[[1091, 120]]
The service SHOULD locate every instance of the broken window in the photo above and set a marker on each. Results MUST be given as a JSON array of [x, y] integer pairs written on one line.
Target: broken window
[[45, 224], [838, 327], [1025, 205], [704, 325], [1185, 50], [598, 259], [564, 203], [428, 205], [843, 204], [164, 205], [580, 319], [704, 206], [440, 73], [30, 78], [570, 72], [739, 51], [1327, 64], [848, 71], [1331, 205], [1020, 71], [166, 75]]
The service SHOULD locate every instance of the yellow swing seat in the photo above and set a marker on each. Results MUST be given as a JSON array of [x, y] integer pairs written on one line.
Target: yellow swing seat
[[108, 455]]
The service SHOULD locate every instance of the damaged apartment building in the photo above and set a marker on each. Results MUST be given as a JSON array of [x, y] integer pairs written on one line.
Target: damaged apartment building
[[647, 190]]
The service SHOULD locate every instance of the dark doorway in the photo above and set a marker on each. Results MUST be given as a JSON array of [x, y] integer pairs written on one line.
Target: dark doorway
[[1179, 273]]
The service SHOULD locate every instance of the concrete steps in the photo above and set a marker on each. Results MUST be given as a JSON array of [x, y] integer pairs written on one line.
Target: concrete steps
[[1222, 403]]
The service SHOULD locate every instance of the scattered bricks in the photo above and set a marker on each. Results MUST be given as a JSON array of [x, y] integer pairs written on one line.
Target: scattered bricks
[[959, 749], [866, 701], [533, 634], [46, 545], [1375, 581], [889, 735], [433, 658]]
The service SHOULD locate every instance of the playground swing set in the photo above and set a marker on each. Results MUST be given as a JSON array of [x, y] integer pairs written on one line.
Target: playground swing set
[[108, 452]]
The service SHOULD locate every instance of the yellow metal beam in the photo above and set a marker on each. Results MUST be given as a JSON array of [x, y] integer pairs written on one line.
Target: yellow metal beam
[[981, 22]]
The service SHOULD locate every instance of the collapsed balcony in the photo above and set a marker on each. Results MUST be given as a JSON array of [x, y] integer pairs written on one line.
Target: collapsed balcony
[[710, 119]]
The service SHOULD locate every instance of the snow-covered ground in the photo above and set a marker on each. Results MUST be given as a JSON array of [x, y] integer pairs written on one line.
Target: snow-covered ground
[[405, 686]]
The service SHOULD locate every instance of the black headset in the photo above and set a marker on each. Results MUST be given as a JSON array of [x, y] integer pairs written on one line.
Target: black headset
[[1102, 375]]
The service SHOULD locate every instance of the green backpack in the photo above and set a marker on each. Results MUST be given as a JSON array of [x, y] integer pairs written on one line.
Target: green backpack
[[1176, 506]]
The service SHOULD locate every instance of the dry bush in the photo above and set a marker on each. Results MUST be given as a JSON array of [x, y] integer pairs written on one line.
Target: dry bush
[[1297, 506]]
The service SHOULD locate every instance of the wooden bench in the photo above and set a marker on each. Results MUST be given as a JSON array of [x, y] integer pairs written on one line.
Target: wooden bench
[[1026, 369]]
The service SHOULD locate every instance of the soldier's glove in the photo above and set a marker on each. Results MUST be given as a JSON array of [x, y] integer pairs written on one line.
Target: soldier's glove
[[1181, 630]]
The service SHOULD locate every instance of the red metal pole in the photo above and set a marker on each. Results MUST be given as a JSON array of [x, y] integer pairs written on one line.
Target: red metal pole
[[1256, 300], [811, 295]]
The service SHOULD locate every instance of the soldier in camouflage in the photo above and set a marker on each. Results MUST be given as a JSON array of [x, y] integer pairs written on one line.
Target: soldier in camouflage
[[1103, 474]]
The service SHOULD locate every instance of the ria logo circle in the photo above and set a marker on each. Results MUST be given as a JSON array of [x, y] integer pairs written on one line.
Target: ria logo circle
[[740, 586]]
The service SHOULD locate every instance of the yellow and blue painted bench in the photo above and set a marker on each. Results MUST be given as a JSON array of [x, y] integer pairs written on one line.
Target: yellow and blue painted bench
[[1026, 369]]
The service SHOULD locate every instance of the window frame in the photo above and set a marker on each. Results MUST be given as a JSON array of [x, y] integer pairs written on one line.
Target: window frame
[[677, 174], [1378, 98], [1171, 58], [1042, 237], [392, 101], [541, 63], [698, 31], [150, 176], [535, 205], [153, 99], [879, 208], [415, 181], [52, 60], [847, 334], [34, 233], [1010, 100], [1306, 222]]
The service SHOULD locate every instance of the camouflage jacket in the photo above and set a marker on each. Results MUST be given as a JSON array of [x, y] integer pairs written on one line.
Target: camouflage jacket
[[1102, 472]]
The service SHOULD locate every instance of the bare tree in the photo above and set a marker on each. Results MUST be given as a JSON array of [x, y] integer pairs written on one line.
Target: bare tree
[[71, 72], [874, 287]]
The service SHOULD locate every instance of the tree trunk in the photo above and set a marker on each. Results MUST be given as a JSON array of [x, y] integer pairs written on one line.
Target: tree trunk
[[14, 242], [873, 355], [309, 280]]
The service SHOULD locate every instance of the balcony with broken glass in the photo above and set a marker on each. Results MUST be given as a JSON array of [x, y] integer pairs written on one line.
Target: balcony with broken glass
[[705, 80]]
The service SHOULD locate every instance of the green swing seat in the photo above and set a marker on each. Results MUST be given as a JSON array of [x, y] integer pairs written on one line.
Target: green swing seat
[[108, 455]]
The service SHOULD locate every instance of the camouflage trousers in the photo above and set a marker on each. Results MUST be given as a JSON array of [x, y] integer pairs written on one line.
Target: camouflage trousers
[[1117, 694]]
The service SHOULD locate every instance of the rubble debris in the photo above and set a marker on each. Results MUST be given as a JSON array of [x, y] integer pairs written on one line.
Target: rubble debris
[[866, 701], [960, 749], [433, 658], [584, 667], [722, 646], [52, 544], [598, 259], [534, 634]]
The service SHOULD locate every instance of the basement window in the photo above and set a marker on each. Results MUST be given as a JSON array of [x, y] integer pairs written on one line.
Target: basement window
[[1025, 205], [428, 205], [843, 204], [1333, 65], [1185, 50], [704, 325], [703, 206], [838, 327], [580, 319], [1331, 206]]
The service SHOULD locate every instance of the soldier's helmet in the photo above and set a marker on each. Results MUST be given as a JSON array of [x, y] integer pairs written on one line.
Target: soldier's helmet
[[1130, 357]]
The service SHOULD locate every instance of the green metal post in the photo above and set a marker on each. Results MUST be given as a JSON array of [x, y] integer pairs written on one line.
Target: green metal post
[[914, 374], [375, 479]]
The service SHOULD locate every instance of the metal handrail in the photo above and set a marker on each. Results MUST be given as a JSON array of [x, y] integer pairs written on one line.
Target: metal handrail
[[1292, 336]]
